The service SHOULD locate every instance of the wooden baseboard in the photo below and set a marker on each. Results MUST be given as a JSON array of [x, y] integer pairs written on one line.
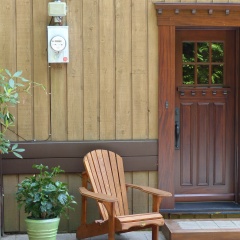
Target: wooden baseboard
[[138, 155]]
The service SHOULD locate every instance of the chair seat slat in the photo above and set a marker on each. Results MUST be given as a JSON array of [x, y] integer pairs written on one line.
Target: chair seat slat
[[139, 217]]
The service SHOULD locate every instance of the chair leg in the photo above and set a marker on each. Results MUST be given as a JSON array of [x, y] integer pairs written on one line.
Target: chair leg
[[111, 220], [111, 236], [111, 232], [155, 232]]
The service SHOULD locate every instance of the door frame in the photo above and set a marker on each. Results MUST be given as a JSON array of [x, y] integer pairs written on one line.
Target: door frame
[[169, 18]]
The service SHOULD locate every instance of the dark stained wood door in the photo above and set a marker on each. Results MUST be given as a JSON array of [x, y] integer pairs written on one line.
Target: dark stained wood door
[[204, 119]]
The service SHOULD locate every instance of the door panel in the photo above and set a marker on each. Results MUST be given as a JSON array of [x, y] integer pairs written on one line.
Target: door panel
[[204, 162]]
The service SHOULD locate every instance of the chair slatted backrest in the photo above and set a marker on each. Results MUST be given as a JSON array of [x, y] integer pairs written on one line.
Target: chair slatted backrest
[[106, 173]]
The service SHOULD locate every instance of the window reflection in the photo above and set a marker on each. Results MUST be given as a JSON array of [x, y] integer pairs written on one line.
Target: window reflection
[[203, 63], [188, 52], [217, 74], [202, 74], [188, 74], [203, 52], [217, 52]]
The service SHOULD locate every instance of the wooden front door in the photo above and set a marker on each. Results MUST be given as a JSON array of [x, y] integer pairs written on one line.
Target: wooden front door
[[205, 115]]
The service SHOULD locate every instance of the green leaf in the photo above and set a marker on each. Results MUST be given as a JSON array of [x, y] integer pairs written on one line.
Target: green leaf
[[49, 206], [19, 150], [62, 198], [17, 74], [17, 155], [8, 72], [50, 188], [19, 84], [11, 83], [14, 146], [24, 79]]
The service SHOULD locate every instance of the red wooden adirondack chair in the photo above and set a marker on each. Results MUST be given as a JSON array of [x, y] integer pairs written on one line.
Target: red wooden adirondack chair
[[105, 171]]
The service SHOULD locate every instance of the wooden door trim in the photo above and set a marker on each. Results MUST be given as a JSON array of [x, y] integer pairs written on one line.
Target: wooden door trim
[[189, 14], [170, 17]]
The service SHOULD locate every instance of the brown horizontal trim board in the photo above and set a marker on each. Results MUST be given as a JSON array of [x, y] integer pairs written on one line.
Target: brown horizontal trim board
[[206, 6], [198, 14], [141, 155]]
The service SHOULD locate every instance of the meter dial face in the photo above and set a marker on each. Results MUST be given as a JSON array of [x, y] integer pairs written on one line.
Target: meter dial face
[[58, 43]]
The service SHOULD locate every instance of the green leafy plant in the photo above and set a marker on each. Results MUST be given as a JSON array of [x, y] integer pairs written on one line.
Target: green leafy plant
[[44, 197], [10, 87]]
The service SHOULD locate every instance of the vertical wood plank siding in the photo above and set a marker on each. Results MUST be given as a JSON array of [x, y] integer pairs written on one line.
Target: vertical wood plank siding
[[40, 71], [108, 90]]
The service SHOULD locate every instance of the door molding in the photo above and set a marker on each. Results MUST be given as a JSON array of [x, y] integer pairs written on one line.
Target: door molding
[[169, 17]]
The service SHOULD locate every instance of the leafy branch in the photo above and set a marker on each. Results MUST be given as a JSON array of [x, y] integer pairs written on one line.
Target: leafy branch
[[10, 87]]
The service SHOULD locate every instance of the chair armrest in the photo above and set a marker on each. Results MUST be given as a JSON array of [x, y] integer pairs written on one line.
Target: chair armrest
[[97, 196], [150, 190]]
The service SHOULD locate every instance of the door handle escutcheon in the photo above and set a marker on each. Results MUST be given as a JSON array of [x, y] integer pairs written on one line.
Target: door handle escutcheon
[[177, 134], [177, 128]]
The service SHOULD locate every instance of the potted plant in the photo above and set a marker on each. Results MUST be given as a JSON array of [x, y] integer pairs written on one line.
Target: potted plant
[[44, 199]]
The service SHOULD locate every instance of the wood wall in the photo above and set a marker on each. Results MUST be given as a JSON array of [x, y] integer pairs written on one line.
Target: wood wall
[[108, 90]]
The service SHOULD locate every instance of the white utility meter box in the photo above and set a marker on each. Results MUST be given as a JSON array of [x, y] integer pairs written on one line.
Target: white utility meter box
[[58, 44]]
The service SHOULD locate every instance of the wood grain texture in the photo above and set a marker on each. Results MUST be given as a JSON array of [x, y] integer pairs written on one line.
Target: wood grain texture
[[8, 49], [128, 179], [40, 70], [140, 199], [74, 182], [107, 69], [139, 70], [91, 69], [207, 132], [193, 10], [8, 39], [222, 229], [11, 219], [123, 70], [107, 91], [58, 98], [166, 109], [22, 214], [152, 71], [24, 63], [75, 72], [152, 182]]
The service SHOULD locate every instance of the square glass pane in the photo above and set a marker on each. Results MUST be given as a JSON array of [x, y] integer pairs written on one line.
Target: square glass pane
[[188, 74], [217, 74], [217, 52], [203, 52], [202, 74], [188, 52]]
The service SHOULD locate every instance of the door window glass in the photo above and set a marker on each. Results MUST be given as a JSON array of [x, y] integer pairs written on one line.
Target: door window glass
[[203, 63], [203, 52], [202, 74]]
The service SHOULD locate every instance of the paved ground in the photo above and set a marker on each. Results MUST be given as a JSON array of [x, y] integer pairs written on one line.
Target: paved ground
[[140, 235]]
